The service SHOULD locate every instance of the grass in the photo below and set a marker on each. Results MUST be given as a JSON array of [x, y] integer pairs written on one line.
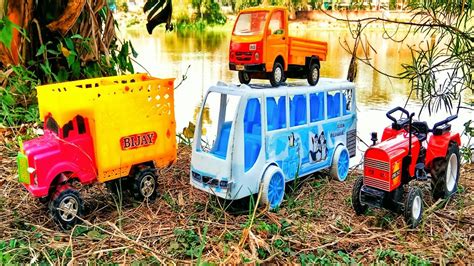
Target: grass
[[314, 225]]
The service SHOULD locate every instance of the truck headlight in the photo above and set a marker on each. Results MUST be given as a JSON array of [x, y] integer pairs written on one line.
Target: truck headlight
[[257, 56]]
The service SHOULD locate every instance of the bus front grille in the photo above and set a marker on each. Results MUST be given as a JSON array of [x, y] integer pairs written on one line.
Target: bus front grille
[[351, 142]]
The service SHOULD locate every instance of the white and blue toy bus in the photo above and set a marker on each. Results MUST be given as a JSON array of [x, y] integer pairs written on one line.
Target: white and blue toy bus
[[252, 138]]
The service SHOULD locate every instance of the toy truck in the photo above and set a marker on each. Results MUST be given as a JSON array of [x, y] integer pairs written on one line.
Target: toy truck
[[401, 157], [261, 48], [264, 137], [99, 130]]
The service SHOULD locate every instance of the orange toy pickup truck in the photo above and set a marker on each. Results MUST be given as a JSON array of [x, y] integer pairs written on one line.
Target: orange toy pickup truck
[[261, 48]]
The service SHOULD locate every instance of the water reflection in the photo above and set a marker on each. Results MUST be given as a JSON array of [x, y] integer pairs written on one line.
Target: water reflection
[[170, 54]]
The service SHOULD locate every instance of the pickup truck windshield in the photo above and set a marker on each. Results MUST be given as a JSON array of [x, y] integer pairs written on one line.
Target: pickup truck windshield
[[249, 24]]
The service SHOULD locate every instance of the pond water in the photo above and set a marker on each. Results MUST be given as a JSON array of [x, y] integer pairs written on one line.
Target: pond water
[[206, 54]]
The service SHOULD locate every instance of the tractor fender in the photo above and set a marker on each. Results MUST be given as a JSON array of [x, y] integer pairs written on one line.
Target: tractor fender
[[438, 146]]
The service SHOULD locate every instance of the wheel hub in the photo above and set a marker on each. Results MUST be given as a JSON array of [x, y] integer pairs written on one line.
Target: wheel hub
[[68, 208], [147, 186], [416, 207], [315, 73], [278, 74]]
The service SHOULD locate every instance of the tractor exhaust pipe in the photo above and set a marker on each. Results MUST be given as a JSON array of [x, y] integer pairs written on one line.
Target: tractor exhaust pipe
[[373, 138]]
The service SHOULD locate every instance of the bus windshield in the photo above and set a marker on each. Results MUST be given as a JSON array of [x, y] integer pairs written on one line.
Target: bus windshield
[[249, 24], [216, 123]]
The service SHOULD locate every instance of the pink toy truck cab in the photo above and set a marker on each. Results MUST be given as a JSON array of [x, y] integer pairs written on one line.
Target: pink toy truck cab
[[66, 150]]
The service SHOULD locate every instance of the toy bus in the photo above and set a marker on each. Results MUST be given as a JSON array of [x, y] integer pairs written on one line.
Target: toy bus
[[264, 137], [105, 129]]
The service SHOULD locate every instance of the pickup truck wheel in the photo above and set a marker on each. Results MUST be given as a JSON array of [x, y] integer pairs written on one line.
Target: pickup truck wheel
[[66, 207], [313, 74], [277, 75], [244, 77], [145, 185], [446, 173]]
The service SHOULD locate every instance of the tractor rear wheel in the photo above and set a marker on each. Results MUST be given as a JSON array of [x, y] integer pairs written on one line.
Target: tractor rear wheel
[[446, 173], [359, 208], [413, 207]]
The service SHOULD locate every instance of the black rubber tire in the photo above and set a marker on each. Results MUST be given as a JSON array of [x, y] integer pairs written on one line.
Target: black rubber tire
[[68, 195], [439, 174], [273, 79], [244, 77], [356, 203], [313, 80], [410, 217], [137, 192]]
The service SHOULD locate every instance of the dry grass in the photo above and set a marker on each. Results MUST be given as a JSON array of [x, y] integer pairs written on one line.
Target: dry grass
[[315, 224]]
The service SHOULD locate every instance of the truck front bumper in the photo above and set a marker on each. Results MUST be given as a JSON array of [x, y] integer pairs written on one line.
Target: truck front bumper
[[248, 67]]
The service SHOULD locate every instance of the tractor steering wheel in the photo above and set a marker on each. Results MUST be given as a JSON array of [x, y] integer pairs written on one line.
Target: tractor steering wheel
[[400, 123]]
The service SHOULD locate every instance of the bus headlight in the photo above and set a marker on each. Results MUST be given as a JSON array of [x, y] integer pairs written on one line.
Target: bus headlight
[[257, 56]]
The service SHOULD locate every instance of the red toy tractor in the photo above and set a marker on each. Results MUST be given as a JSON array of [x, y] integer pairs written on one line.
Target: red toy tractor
[[409, 150]]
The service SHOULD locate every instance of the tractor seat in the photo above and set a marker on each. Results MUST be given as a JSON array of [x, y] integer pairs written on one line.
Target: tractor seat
[[421, 130]]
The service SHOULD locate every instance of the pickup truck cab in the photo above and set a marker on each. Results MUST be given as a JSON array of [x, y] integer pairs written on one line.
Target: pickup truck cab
[[261, 48]]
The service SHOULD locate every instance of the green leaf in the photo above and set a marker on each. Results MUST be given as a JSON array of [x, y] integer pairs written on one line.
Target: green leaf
[[69, 43], [77, 36], [6, 31], [95, 234], [134, 52], [41, 50]]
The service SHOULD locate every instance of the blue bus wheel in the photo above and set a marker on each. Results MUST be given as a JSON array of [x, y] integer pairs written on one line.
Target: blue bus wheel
[[340, 163], [273, 187]]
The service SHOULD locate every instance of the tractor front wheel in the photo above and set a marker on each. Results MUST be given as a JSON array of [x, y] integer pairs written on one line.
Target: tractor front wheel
[[359, 208], [413, 207]]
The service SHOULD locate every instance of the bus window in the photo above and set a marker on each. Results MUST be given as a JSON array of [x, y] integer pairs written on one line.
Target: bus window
[[297, 110], [316, 106], [333, 104], [252, 132], [276, 113]]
